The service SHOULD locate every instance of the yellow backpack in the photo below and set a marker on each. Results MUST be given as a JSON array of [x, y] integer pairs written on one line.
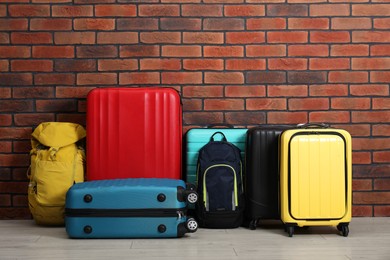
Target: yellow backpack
[[57, 162]]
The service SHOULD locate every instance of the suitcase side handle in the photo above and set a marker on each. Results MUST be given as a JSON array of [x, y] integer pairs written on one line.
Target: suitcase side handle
[[223, 137], [313, 125]]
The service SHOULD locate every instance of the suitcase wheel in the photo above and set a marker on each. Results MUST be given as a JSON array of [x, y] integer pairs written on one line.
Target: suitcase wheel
[[290, 230], [192, 197], [192, 225], [344, 229], [253, 224]]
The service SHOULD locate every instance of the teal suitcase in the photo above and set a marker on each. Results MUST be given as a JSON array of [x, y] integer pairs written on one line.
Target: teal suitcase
[[196, 138]]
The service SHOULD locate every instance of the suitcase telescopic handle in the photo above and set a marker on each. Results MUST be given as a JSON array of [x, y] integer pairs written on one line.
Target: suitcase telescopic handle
[[219, 125], [313, 125], [223, 137]]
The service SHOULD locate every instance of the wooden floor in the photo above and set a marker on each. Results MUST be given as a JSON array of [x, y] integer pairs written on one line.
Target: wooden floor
[[369, 238]]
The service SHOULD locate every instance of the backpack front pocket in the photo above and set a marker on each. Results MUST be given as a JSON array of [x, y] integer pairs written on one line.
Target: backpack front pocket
[[220, 188]]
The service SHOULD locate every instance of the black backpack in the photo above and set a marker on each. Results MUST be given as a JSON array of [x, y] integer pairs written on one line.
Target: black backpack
[[220, 185]]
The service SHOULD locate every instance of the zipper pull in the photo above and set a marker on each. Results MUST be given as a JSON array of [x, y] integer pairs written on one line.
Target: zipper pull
[[179, 215]]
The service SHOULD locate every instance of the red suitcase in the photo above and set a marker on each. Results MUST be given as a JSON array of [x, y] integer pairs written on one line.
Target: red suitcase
[[134, 133]]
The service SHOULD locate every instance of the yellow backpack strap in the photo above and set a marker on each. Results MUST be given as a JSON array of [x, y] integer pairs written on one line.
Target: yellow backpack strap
[[53, 152]]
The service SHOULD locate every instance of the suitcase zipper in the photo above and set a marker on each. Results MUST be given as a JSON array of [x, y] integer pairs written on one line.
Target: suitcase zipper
[[125, 213]]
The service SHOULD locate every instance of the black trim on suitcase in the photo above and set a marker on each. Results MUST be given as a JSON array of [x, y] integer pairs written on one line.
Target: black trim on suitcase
[[125, 213], [289, 171]]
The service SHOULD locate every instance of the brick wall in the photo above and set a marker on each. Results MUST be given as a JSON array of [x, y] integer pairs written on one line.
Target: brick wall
[[242, 62]]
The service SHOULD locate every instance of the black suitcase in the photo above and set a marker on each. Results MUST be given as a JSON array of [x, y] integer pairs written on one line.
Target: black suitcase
[[262, 174]]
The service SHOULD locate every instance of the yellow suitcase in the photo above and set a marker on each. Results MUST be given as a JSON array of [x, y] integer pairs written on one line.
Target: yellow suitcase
[[316, 177]]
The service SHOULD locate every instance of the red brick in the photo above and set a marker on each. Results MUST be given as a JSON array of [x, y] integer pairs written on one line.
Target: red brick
[[72, 92], [203, 118], [201, 10], [286, 117], [371, 10], [97, 51], [223, 78], [160, 37], [17, 24], [117, 37], [5, 92], [287, 91], [330, 117], [56, 105], [329, 10], [72, 10], [98, 24], [380, 130], [308, 23], [381, 103], [255, 77], [203, 37], [15, 79], [15, 52], [53, 52], [382, 23], [370, 36], [15, 133], [31, 38], [371, 197], [245, 91], [203, 64], [245, 64], [32, 65], [4, 38], [116, 10], [244, 10], [265, 51], [4, 66], [361, 158], [287, 10], [160, 64], [181, 51], [245, 37], [34, 92], [355, 129], [54, 79], [14, 160], [329, 64], [194, 24], [181, 77], [202, 91], [371, 63], [266, 104], [362, 211], [361, 184], [139, 51], [308, 50], [5, 120], [329, 37], [381, 157], [266, 24], [287, 37], [371, 171], [223, 51], [371, 116], [382, 211], [380, 50], [28, 10], [139, 78], [287, 64], [349, 50], [351, 103], [223, 104], [380, 76], [308, 104], [347, 77], [159, 10], [72, 117], [369, 90], [74, 37], [245, 118], [137, 24], [75, 65], [223, 24], [50, 24], [97, 79], [192, 104], [33, 119], [369, 143], [303, 77], [351, 23]]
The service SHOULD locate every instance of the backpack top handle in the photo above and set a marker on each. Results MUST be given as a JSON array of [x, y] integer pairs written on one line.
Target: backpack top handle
[[223, 137]]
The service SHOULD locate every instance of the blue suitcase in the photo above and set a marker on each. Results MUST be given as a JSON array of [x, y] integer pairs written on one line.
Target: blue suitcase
[[129, 208], [196, 138]]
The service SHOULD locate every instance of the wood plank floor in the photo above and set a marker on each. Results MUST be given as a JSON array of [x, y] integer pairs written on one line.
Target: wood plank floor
[[369, 238]]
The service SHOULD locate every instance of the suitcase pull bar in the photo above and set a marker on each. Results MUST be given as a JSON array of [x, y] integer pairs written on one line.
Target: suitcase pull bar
[[223, 137], [219, 125], [313, 125]]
